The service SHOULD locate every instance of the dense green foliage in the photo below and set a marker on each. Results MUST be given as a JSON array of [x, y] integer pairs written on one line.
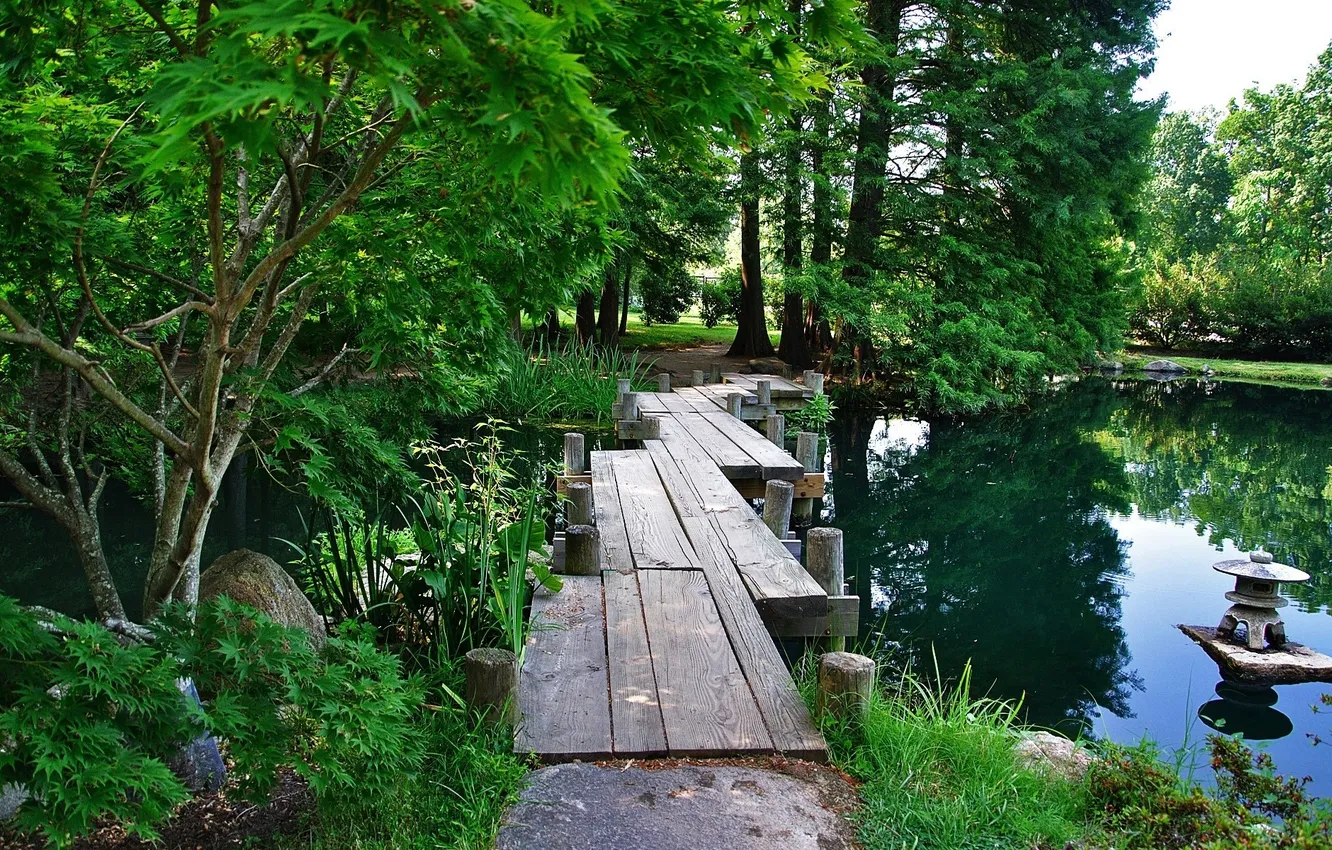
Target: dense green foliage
[[1238, 225], [89, 723]]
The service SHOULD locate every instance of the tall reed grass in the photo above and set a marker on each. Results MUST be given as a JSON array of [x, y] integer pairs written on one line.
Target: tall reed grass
[[569, 381]]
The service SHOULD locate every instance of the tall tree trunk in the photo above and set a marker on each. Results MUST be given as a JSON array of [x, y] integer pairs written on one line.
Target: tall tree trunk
[[608, 317], [624, 304], [551, 327], [585, 320], [817, 334], [751, 334], [873, 144], [793, 347]]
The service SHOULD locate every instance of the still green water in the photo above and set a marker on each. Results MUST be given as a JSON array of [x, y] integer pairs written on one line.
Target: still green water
[[1053, 548], [1056, 548]]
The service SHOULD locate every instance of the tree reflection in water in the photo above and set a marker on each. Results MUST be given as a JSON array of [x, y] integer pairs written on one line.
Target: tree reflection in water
[[992, 536]]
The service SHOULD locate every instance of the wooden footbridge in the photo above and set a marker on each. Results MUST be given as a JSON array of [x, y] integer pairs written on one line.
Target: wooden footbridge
[[661, 642]]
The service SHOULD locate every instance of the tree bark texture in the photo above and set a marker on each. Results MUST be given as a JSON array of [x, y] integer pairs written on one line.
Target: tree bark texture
[[793, 348], [818, 336], [608, 327], [751, 335], [624, 301], [585, 319], [873, 144]]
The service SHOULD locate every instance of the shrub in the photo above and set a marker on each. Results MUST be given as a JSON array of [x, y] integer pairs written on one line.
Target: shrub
[[720, 302], [1147, 806], [667, 292], [88, 723]]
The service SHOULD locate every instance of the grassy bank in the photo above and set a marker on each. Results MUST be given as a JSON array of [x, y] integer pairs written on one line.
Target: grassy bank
[[688, 332], [1250, 370], [940, 772]]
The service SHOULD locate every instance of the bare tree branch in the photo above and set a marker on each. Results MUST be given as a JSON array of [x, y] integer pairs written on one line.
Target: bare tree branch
[[167, 316], [25, 334], [165, 278], [323, 373], [170, 32]]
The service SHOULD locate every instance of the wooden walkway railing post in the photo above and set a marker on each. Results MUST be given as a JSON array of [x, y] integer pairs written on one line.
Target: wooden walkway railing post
[[807, 452], [582, 550], [580, 504], [824, 564], [777, 507], [775, 428]]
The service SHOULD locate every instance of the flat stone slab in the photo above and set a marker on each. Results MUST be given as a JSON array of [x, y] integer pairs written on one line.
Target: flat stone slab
[[691, 807], [1292, 664]]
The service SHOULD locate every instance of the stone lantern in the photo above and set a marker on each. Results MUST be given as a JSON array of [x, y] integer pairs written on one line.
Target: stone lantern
[[1257, 599]]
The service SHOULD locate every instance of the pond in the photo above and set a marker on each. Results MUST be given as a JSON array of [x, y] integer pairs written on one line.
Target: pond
[[1053, 548], [1056, 548]]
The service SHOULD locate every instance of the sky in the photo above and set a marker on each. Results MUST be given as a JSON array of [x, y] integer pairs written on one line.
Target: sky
[[1212, 50]]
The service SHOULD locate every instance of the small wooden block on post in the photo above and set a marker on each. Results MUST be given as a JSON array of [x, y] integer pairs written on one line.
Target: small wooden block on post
[[846, 685], [492, 685], [714, 377], [815, 382], [776, 429], [777, 507], [824, 563], [647, 428], [582, 550], [623, 385], [575, 458], [733, 402], [696, 378], [764, 391], [664, 382], [579, 511]]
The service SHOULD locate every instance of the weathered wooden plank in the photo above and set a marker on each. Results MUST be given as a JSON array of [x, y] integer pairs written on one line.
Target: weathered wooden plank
[[563, 688], [777, 582], [651, 403], [656, 538], [707, 707], [772, 461], [718, 393], [615, 552], [733, 461], [749, 382], [636, 723], [781, 387], [783, 709]]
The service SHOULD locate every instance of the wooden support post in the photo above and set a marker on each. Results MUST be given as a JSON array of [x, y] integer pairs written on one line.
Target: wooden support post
[[575, 458], [629, 406], [805, 376], [650, 428], [733, 402], [623, 385], [776, 429], [696, 378], [579, 511], [582, 550], [492, 685], [777, 507], [807, 452], [846, 684], [714, 377], [824, 563], [815, 382], [764, 392], [664, 382]]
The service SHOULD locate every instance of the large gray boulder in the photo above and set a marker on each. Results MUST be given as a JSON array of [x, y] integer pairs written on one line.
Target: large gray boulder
[[1165, 367], [258, 581]]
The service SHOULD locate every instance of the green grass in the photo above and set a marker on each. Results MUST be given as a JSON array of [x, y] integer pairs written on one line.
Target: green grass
[[563, 383], [456, 800], [938, 772], [689, 332], [1250, 370]]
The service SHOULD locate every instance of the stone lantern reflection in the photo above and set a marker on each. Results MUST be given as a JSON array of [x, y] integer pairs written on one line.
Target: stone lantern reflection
[[1257, 599]]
